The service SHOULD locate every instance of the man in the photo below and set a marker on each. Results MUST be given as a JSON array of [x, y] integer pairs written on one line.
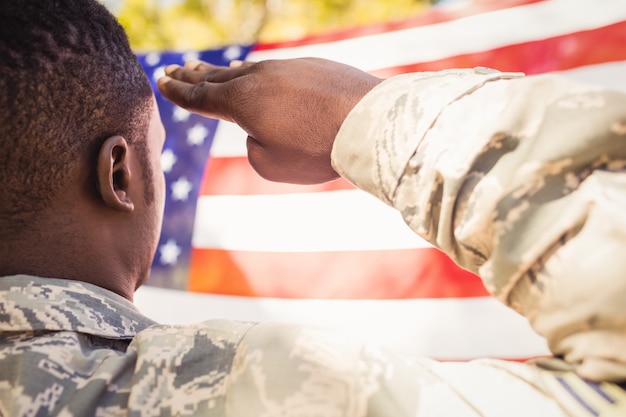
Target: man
[[81, 203], [521, 180], [80, 207]]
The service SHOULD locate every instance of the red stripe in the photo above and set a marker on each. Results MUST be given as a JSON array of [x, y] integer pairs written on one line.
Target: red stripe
[[596, 46], [235, 176], [429, 17], [392, 274]]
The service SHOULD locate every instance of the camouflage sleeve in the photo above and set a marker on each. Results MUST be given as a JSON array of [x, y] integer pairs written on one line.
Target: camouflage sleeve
[[88, 364], [520, 180], [290, 370]]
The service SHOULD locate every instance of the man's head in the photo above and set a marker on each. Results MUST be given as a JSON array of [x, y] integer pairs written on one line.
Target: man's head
[[79, 145]]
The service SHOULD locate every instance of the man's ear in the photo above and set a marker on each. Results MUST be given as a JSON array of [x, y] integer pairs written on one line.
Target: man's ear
[[114, 174]]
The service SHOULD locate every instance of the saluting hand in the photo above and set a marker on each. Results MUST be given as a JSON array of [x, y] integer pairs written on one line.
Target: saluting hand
[[290, 109]]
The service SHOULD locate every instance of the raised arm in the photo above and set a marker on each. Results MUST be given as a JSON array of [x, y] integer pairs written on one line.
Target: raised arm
[[290, 109]]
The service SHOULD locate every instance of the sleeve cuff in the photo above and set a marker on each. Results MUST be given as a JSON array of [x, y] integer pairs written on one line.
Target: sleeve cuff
[[385, 128]]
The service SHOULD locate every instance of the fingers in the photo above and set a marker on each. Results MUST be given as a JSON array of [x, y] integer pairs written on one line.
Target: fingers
[[203, 98], [237, 63], [198, 71], [184, 74], [196, 64], [198, 87]]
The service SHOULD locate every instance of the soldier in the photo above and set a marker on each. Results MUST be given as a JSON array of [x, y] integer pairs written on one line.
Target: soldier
[[81, 204], [519, 179]]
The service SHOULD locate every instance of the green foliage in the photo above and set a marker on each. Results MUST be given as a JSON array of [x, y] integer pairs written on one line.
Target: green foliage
[[199, 24]]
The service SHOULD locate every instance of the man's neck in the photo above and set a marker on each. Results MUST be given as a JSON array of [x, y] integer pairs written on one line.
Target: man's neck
[[67, 259]]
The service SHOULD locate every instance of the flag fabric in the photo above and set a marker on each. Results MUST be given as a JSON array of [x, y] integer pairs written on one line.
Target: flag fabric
[[245, 248]]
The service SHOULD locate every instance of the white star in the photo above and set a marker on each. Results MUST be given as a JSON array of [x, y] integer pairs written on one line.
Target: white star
[[180, 114], [188, 56], [181, 189], [153, 58], [168, 159], [197, 134], [232, 52], [170, 252]]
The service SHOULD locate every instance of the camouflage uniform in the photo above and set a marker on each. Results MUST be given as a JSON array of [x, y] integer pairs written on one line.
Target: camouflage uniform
[[69, 348], [72, 349]]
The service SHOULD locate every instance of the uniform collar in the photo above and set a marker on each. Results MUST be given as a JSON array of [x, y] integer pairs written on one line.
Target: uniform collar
[[29, 303]]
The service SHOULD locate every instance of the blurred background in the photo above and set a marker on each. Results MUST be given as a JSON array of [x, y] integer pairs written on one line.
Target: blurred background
[[200, 24]]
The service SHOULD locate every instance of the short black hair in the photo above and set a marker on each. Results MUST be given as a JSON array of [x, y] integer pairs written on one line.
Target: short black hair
[[68, 81]]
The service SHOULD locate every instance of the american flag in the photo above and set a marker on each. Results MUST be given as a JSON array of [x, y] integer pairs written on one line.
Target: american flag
[[330, 254], [185, 155]]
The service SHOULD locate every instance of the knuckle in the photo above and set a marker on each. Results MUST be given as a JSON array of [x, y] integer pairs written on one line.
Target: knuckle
[[194, 96], [240, 95], [268, 65], [210, 74]]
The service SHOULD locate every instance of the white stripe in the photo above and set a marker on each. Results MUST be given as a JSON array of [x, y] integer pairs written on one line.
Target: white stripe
[[230, 139], [480, 32], [309, 222], [462, 328]]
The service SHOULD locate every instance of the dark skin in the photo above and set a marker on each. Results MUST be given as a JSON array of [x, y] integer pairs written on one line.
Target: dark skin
[[291, 109], [99, 229]]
